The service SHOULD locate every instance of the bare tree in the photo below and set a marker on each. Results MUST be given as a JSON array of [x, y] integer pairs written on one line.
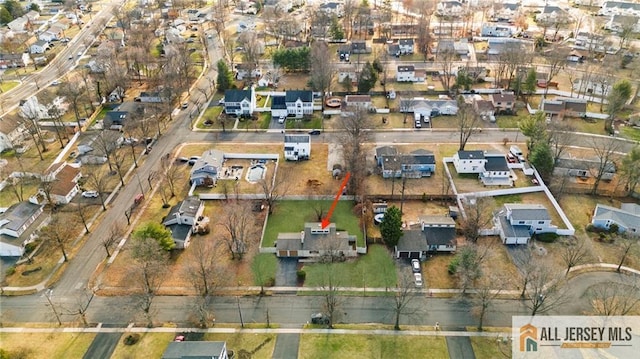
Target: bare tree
[[406, 107], [75, 94], [424, 38], [546, 290], [58, 233], [172, 175], [560, 136], [106, 144], [615, 298], [626, 246], [274, 189], [513, 56], [97, 179], [556, 58], [528, 264], [330, 293], [114, 235], [239, 224], [447, 59], [466, 121], [467, 265], [606, 151], [81, 212], [204, 270], [486, 292], [402, 296], [322, 70], [147, 271], [119, 159], [574, 252], [627, 28], [29, 118], [353, 137]]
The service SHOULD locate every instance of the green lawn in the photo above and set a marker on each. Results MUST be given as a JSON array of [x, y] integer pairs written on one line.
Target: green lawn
[[266, 263], [350, 346], [509, 121], [509, 198], [314, 123], [630, 133], [45, 345], [212, 113], [150, 345], [290, 216], [375, 269], [8, 85], [490, 348], [254, 346]]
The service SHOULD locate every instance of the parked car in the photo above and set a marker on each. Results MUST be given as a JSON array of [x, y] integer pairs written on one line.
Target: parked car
[[89, 194], [55, 83], [418, 124], [319, 318], [184, 105], [418, 279], [314, 132], [193, 159], [281, 119], [415, 265]]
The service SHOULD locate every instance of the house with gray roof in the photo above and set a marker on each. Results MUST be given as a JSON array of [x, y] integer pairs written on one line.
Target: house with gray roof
[[583, 168], [299, 103], [428, 107], [434, 234], [409, 73], [278, 106], [416, 164], [620, 8], [205, 170], [17, 218], [196, 350], [239, 102], [516, 222], [492, 168], [316, 243], [406, 46], [183, 218], [297, 147], [627, 217], [564, 106]]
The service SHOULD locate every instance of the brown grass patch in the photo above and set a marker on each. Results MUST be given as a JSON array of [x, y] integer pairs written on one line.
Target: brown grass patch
[[435, 272]]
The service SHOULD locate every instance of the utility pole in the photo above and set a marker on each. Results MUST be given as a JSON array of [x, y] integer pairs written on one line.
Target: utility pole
[[240, 312]]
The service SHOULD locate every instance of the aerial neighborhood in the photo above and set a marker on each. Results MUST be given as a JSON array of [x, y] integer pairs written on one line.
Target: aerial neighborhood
[[199, 164]]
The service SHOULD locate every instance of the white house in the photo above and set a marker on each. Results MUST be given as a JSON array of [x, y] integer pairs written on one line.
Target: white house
[[491, 30], [627, 217], [245, 70], [620, 8], [508, 12], [182, 220], [517, 222], [205, 169], [450, 8], [299, 103], [619, 23], [19, 24], [39, 47], [149, 97], [297, 147], [239, 102], [15, 220], [429, 107], [492, 168], [408, 73], [406, 46], [332, 8], [11, 131], [584, 168], [358, 101]]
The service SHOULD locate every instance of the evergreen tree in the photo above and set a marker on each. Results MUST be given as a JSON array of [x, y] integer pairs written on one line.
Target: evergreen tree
[[541, 158], [391, 226], [368, 78], [5, 16], [620, 94], [157, 232], [336, 31], [225, 76]]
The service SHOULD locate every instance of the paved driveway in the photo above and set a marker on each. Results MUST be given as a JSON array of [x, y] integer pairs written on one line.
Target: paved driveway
[[286, 346], [286, 273], [103, 345], [460, 348]]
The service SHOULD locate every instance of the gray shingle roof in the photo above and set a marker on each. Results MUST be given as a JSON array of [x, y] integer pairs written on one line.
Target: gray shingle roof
[[470, 155], [527, 212], [496, 163]]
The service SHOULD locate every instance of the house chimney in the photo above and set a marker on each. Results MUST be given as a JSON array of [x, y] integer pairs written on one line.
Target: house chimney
[[301, 237]]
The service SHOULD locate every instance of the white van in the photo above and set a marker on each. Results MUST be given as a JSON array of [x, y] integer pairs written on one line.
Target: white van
[[516, 151]]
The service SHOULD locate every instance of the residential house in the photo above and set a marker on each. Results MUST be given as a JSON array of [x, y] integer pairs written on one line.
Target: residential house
[[620, 8], [416, 164], [316, 243], [53, 33], [359, 47], [115, 120], [460, 47], [297, 147], [627, 217], [620, 23], [117, 95], [11, 60], [239, 102], [11, 130], [492, 168], [403, 29], [564, 106], [149, 97], [39, 47], [17, 218], [394, 50], [517, 222], [196, 350], [358, 101], [406, 46], [246, 70], [507, 11], [469, 161], [32, 15], [485, 110], [450, 8], [491, 30], [503, 102], [408, 73], [427, 108], [19, 24], [551, 13], [62, 182], [205, 170], [589, 42], [584, 168], [278, 106], [299, 103], [343, 74], [182, 220], [434, 234], [499, 45], [594, 3], [332, 8]]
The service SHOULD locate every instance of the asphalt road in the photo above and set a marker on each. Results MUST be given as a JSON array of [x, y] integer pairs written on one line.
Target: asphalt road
[[61, 64]]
